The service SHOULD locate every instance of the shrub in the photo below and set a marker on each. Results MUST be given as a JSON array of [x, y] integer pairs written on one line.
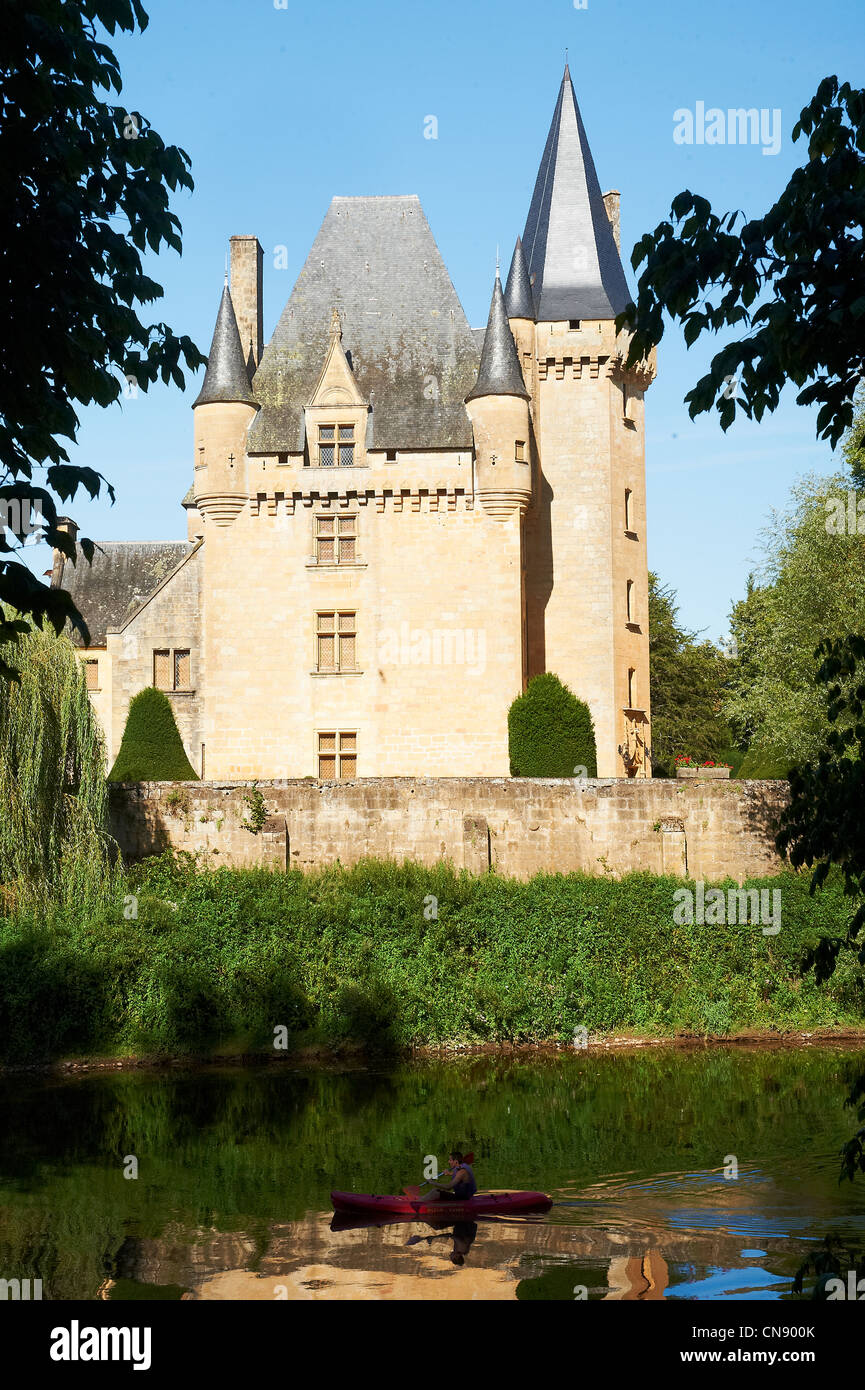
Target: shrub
[[152, 749], [550, 731], [759, 763]]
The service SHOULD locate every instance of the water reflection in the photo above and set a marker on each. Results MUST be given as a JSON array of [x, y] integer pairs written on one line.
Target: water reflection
[[235, 1169]]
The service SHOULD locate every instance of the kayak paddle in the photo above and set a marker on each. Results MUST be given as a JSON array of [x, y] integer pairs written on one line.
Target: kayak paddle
[[413, 1193]]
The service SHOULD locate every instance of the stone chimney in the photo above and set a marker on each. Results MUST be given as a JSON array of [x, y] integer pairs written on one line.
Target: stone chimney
[[611, 203], [64, 523], [246, 294]]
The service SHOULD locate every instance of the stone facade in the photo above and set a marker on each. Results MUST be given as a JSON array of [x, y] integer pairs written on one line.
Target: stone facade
[[395, 521], [520, 827]]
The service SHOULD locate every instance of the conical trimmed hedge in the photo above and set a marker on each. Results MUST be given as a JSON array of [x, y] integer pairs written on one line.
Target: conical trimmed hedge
[[550, 732], [152, 749]]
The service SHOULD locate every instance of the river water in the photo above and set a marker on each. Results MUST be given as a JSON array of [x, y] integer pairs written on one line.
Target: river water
[[708, 1173]]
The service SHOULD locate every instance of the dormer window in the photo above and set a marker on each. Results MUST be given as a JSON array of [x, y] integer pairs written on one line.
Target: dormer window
[[335, 446]]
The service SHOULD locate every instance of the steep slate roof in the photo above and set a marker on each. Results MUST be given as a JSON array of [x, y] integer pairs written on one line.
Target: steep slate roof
[[123, 574], [226, 378], [518, 290], [404, 331], [572, 257], [499, 373]]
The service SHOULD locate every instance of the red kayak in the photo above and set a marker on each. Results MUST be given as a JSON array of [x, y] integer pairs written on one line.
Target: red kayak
[[483, 1203]]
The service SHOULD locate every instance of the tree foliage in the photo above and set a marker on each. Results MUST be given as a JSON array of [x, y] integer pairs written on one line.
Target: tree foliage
[[53, 840], [686, 677], [550, 732], [84, 194], [793, 283], [853, 443], [811, 585], [793, 280], [151, 749]]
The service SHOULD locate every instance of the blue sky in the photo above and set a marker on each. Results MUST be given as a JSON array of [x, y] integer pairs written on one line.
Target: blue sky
[[281, 108]]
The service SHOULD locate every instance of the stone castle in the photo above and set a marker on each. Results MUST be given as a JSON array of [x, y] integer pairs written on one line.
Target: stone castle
[[396, 520]]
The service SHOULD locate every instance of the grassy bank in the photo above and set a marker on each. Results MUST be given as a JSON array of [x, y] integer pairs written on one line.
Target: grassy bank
[[393, 956]]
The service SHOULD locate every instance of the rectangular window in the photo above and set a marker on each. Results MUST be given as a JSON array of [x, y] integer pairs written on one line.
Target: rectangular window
[[335, 540], [327, 757], [632, 688], [346, 446], [325, 541], [181, 670], [628, 494], [91, 674], [520, 451], [337, 756], [348, 755], [347, 540], [573, 325], [172, 670], [162, 670], [336, 636], [630, 601], [326, 446]]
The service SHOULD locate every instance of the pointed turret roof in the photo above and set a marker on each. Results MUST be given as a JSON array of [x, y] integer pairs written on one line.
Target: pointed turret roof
[[518, 290], [573, 262], [226, 378], [499, 373]]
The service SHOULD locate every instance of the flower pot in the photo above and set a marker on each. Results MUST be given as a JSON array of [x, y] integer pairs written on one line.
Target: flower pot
[[702, 774]]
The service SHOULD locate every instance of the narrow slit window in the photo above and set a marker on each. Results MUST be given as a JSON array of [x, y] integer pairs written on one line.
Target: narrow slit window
[[630, 600], [632, 688], [628, 495]]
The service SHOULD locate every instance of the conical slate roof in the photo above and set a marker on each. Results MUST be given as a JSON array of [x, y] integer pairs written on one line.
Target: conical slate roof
[[226, 378], [572, 257], [499, 373], [518, 290]]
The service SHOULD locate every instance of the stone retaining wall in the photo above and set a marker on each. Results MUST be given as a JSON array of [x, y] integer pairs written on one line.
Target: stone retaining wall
[[705, 830]]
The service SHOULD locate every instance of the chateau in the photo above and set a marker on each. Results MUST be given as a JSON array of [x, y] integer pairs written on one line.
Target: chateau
[[396, 520]]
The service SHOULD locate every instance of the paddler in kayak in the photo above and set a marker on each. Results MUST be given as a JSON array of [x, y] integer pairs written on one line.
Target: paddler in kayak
[[460, 1184]]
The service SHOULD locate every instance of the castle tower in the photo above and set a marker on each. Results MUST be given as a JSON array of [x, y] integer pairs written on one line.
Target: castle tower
[[498, 407], [223, 411], [585, 539]]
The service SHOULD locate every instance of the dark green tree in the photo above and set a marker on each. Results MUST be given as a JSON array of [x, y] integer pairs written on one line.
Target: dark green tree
[[685, 682], [792, 283], [550, 732], [822, 825], [853, 443], [793, 280], [152, 749], [84, 192]]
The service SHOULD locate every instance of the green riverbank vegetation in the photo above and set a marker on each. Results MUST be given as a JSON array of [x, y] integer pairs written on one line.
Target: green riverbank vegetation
[[183, 959]]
